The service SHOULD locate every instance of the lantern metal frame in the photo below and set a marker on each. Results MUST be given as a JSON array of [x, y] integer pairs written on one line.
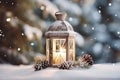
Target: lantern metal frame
[[60, 33]]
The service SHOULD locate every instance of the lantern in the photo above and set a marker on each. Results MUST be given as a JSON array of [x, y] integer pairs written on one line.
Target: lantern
[[60, 41]]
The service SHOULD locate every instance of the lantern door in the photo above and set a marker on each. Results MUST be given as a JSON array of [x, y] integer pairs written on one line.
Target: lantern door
[[58, 51], [71, 46]]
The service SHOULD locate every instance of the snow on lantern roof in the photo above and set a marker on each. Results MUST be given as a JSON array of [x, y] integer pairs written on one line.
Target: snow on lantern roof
[[60, 26]]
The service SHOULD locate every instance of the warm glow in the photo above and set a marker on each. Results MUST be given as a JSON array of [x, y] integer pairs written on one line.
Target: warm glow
[[59, 56]]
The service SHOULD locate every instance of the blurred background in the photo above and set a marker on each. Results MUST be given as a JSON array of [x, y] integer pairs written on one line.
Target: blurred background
[[23, 24]]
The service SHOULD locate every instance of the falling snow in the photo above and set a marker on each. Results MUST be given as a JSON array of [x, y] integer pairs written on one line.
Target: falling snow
[[12, 3], [32, 44], [99, 7], [118, 33], [8, 19], [18, 49], [93, 28], [70, 19], [109, 47], [5, 55], [113, 64], [42, 7], [110, 4], [108, 19], [116, 15], [85, 25], [82, 52], [82, 16], [99, 11], [22, 34], [95, 38]]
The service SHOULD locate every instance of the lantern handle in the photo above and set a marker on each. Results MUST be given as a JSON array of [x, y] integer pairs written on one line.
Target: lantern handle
[[61, 15]]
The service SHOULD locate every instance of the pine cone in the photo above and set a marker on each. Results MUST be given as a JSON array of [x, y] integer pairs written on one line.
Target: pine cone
[[66, 65], [37, 67], [44, 64], [41, 65], [85, 61]]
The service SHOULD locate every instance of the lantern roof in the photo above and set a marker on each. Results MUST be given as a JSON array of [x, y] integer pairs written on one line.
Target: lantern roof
[[60, 25]]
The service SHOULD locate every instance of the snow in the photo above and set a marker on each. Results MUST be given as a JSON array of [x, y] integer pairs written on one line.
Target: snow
[[85, 25], [42, 7], [115, 14], [32, 44], [99, 11], [58, 23], [18, 49], [32, 32], [22, 34], [8, 19], [26, 72], [118, 32], [93, 28], [110, 4], [12, 3], [70, 19]]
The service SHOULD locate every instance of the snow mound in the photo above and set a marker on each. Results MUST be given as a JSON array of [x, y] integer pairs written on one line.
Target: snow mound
[[26, 72]]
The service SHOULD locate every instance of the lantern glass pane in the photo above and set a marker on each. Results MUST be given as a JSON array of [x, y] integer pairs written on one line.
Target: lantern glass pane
[[59, 51], [71, 49], [47, 48]]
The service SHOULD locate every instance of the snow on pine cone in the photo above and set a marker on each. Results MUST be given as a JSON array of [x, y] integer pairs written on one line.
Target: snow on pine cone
[[66, 65], [85, 61], [41, 65]]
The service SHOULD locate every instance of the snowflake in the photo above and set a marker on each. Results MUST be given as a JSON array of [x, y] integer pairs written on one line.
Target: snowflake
[[70, 19], [8, 19], [110, 4], [99, 11], [3, 35], [99, 7], [42, 7], [116, 15], [5, 55], [85, 25], [118, 33], [12, 3], [113, 64], [32, 44], [93, 28], [10, 47], [94, 38], [18, 49], [108, 19], [22, 34], [82, 52], [109, 47]]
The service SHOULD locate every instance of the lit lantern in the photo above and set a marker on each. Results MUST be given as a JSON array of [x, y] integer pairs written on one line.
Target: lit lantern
[[60, 41]]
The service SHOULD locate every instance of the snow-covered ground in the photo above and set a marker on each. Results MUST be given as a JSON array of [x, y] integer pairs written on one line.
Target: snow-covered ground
[[96, 72]]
